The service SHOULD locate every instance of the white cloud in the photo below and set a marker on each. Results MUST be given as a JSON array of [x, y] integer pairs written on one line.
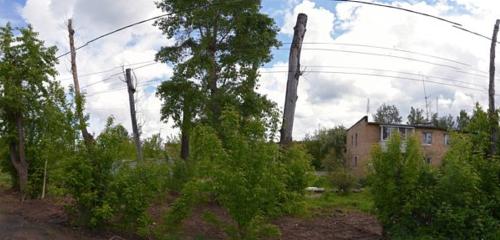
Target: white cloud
[[140, 43], [328, 99], [325, 99]]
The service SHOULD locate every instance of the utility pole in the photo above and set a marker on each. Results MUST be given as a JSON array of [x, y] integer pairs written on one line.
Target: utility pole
[[493, 116], [87, 137], [293, 80], [131, 100]]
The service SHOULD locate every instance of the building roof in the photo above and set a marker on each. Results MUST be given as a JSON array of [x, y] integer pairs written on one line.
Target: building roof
[[421, 126]]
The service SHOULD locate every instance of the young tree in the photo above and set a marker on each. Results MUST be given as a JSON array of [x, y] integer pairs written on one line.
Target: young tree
[[387, 114], [25, 67], [416, 116], [214, 51]]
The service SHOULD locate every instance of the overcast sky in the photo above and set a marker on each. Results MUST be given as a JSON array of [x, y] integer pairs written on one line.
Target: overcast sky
[[415, 51]]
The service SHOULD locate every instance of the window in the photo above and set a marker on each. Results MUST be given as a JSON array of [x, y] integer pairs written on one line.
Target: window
[[402, 133], [427, 138], [356, 140], [428, 160], [446, 139], [352, 140], [355, 161]]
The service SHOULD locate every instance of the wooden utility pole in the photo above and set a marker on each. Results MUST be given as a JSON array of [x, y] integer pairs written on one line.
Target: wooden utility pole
[[493, 116], [131, 100], [293, 80], [87, 137]]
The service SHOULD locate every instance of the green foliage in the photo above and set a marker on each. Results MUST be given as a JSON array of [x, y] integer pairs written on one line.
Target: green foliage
[[153, 148], [387, 114], [343, 180], [457, 201], [444, 122], [131, 192], [416, 116], [89, 173], [327, 147], [245, 174], [29, 96], [213, 55], [361, 201]]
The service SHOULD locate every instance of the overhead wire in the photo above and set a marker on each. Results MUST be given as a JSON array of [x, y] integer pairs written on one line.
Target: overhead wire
[[454, 24]]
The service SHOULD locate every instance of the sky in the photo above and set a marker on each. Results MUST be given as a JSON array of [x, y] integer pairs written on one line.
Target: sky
[[355, 57]]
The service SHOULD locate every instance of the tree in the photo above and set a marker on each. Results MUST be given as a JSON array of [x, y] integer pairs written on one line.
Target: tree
[[182, 101], [213, 51], [25, 89], [445, 122], [388, 114], [327, 147], [463, 120], [416, 116]]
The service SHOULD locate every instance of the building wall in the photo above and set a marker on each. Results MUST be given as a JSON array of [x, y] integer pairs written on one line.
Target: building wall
[[358, 155], [368, 135], [437, 149]]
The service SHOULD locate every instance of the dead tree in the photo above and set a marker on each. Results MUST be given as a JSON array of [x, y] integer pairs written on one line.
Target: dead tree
[[135, 129], [293, 80], [493, 116], [87, 137]]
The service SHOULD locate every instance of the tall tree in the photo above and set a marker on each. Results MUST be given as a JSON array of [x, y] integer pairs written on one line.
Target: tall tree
[[416, 116], [25, 67], [387, 114], [219, 46]]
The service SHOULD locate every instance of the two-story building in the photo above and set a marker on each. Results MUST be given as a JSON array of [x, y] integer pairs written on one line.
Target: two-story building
[[363, 135]]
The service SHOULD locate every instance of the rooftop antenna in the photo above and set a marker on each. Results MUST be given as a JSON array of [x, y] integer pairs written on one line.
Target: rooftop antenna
[[437, 105], [368, 107], [426, 98]]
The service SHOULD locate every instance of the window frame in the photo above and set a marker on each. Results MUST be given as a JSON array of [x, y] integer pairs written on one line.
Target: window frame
[[424, 140]]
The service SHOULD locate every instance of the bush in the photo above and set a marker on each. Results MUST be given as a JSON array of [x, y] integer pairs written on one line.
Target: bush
[[131, 193], [456, 201], [245, 174], [343, 180]]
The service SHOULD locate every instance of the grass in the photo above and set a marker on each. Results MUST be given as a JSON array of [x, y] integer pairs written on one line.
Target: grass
[[315, 203], [361, 201], [4, 179]]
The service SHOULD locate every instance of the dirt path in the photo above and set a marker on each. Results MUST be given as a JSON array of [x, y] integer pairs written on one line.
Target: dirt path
[[35, 220], [15, 227]]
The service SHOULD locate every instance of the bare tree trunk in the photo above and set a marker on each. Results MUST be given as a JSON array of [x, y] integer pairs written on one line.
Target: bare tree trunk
[[135, 129], [87, 137], [493, 116], [17, 157], [293, 80], [185, 144]]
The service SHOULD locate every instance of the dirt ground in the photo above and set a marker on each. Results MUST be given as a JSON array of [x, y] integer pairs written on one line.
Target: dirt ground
[[40, 220]]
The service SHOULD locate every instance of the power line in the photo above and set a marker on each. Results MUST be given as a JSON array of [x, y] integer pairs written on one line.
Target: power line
[[402, 9], [385, 48], [382, 55], [454, 24], [134, 24], [104, 71], [386, 76]]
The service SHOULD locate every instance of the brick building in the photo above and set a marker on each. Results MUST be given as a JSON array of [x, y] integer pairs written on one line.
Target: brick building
[[363, 135]]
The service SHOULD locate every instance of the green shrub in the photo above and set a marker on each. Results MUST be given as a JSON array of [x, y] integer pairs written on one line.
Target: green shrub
[[131, 193], [457, 201], [342, 180], [245, 174]]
